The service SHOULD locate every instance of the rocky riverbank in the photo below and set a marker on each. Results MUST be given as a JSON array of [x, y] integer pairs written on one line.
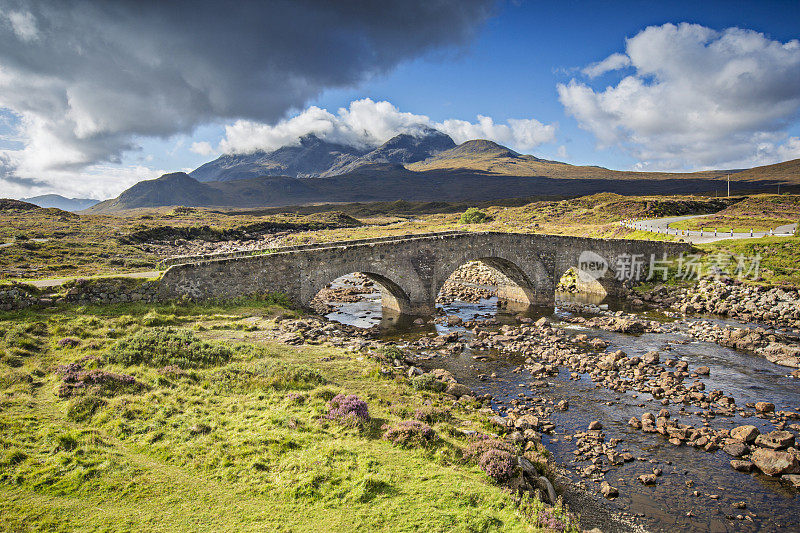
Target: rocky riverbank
[[776, 306]]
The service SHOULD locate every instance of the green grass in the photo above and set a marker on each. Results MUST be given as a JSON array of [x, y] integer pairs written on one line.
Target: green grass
[[780, 256], [234, 443], [724, 224]]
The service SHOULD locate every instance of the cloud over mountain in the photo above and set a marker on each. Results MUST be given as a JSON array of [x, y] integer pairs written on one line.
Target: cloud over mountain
[[699, 98], [366, 123], [90, 78]]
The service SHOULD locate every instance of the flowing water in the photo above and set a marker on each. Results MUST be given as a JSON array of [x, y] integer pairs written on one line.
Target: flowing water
[[671, 505]]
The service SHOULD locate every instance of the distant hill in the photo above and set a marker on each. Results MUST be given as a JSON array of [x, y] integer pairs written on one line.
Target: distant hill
[[60, 202], [387, 182], [314, 157]]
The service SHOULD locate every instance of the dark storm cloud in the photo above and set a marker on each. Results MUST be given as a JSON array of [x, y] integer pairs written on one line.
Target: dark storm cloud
[[91, 76]]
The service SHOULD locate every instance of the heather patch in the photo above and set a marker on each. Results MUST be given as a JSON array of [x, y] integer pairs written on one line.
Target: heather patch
[[348, 410], [78, 381], [498, 464], [410, 434]]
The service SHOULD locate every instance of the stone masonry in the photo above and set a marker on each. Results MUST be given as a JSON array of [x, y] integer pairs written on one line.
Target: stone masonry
[[410, 270]]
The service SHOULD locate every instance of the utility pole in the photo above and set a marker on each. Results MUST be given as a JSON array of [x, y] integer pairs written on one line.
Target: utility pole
[[729, 185]]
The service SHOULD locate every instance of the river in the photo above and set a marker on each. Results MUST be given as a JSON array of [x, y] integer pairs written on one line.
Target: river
[[698, 491]]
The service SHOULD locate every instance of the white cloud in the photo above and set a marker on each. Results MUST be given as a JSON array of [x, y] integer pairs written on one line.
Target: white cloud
[[24, 25], [522, 134], [615, 61], [367, 123], [202, 148], [698, 99], [95, 181]]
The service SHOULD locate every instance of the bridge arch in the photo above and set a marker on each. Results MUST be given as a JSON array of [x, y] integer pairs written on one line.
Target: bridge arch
[[393, 296], [523, 280]]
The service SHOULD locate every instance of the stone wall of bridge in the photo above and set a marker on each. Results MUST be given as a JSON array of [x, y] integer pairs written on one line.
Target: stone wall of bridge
[[409, 270]]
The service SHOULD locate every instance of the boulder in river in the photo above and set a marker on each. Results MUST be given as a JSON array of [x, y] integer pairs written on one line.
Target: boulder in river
[[775, 463], [458, 390], [765, 407], [742, 466], [608, 491], [746, 434], [776, 440]]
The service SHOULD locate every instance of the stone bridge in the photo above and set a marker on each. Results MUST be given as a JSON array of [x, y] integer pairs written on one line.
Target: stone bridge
[[411, 269]]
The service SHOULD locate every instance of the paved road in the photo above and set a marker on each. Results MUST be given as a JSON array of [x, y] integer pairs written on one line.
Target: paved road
[[661, 225], [54, 282]]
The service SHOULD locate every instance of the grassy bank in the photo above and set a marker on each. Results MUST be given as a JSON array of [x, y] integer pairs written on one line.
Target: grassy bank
[[779, 257], [190, 418]]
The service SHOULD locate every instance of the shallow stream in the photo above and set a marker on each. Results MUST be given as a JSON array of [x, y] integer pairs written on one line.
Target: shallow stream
[[672, 504]]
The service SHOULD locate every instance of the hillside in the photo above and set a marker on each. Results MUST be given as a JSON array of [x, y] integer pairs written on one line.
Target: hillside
[[384, 182], [60, 202], [399, 150], [311, 157], [487, 156]]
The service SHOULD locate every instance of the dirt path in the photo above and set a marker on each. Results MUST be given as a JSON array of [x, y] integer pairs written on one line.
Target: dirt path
[[54, 282]]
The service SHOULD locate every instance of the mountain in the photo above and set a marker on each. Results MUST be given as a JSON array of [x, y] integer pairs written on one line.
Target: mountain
[[426, 166], [487, 156], [58, 201], [177, 188], [315, 158], [309, 159], [401, 149], [389, 182]]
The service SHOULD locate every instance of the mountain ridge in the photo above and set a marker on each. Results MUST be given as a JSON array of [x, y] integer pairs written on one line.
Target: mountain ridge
[[61, 202], [390, 182], [313, 157]]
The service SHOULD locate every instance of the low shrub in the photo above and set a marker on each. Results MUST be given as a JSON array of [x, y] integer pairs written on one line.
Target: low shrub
[[68, 342], [482, 444], [428, 382], [348, 410], [393, 352], [432, 415], [169, 346], [77, 381], [84, 407], [473, 215], [410, 433], [498, 464]]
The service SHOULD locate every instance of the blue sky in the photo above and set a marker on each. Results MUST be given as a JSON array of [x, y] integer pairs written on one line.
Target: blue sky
[[512, 69], [524, 62]]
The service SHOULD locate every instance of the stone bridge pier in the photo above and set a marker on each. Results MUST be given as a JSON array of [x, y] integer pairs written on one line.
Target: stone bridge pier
[[410, 270]]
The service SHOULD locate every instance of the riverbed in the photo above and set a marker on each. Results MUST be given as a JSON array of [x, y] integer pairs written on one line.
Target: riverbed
[[696, 490]]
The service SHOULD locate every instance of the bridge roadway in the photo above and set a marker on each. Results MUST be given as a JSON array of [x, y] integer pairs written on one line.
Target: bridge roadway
[[411, 269]]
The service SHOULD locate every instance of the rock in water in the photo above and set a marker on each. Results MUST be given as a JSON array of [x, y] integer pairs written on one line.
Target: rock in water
[[775, 463]]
